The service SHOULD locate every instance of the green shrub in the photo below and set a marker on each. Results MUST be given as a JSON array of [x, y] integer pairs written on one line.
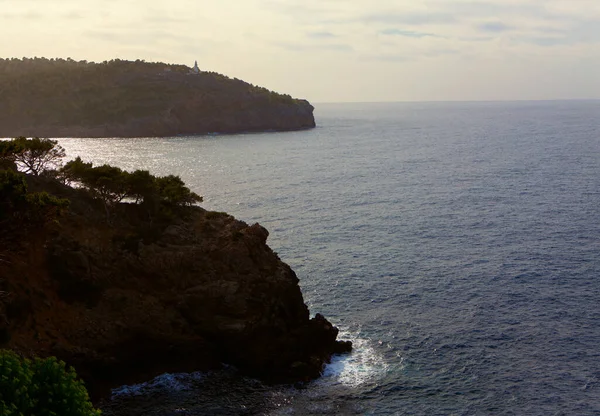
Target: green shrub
[[33, 206], [42, 387], [112, 185], [8, 149], [13, 190], [15, 383], [173, 191], [75, 171], [215, 214], [12, 185], [142, 186], [43, 207]]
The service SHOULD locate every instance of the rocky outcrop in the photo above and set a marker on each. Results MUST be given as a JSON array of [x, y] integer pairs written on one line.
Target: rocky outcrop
[[125, 301], [188, 117]]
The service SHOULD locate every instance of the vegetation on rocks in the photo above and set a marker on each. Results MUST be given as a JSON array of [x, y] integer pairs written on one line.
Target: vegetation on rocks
[[108, 183], [18, 204], [41, 387], [113, 185]]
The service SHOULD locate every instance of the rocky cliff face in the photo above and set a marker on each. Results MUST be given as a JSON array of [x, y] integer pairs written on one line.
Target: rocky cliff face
[[127, 300], [186, 117]]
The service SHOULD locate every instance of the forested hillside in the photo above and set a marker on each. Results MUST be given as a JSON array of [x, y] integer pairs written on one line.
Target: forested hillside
[[57, 97]]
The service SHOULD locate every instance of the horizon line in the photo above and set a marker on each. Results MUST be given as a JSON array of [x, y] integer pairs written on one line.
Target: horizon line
[[523, 100]]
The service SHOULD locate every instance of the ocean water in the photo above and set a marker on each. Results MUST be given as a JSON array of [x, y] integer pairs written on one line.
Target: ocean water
[[457, 245]]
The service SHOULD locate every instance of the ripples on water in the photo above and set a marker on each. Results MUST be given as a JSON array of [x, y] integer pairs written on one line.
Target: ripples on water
[[457, 244]]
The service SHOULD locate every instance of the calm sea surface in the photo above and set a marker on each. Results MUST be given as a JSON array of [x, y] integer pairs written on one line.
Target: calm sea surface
[[457, 245]]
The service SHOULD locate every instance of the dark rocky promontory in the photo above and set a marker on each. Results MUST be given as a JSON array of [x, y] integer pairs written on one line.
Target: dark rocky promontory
[[64, 98], [125, 298]]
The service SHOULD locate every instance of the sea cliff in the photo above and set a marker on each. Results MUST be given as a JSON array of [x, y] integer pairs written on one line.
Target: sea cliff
[[125, 298], [65, 98]]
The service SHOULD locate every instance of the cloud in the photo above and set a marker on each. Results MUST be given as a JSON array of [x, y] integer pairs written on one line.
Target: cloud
[[391, 58], [302, 47], [304, 11], [475, 38], [28, 15], [162, 19], [73, 15], [129, 37], [492, 8], [551, 31], [434, 53], [578, 32], [541, 41], [410, 18], [414, 56], [340, 47], [494, 27], [321, 35], [408, 33]]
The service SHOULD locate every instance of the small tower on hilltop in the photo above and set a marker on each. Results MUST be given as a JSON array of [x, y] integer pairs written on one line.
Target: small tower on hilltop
[[195, 69]]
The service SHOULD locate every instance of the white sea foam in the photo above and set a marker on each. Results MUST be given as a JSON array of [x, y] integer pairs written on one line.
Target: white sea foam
[[362, 365]]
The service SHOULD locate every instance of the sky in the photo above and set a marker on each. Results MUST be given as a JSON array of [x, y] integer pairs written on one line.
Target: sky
[[334, 50]]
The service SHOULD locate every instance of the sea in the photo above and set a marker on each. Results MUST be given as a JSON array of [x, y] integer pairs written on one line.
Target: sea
[[457, 245]]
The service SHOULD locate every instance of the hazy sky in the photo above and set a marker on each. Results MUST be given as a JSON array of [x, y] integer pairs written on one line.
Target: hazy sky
[[334, 50]]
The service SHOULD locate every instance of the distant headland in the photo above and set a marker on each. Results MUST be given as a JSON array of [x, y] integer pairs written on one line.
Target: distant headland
[[118, 98]]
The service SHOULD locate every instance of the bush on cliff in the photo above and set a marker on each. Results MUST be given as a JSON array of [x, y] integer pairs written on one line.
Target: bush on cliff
[[113, 185], [13, 188], [19, 204], [42, 387], [33, 156], [171, 190], [105, 182], [110, 184], [8, 148]]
